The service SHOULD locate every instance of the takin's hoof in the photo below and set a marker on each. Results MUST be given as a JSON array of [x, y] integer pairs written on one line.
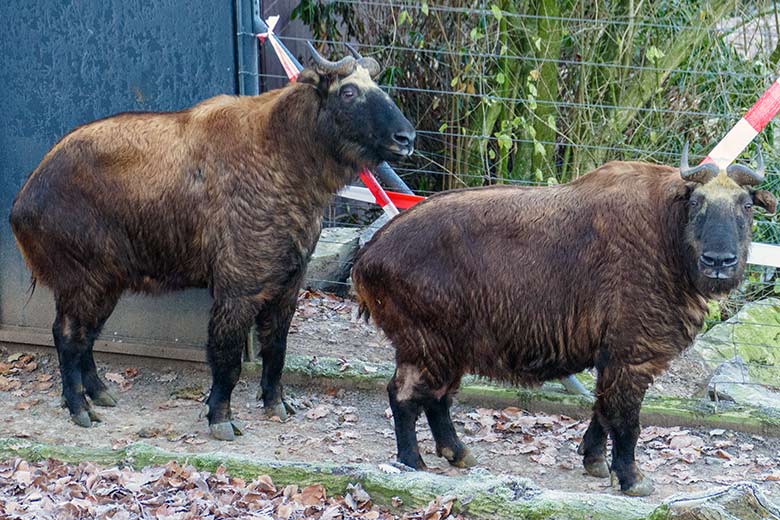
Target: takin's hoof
[[278, 410], [82, 419], [104, 398], [641, 488], [597, 468], [467, 460], [224, 431], [403, 467]]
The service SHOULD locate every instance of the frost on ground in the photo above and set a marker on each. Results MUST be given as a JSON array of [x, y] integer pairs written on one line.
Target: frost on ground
[[161, 403]]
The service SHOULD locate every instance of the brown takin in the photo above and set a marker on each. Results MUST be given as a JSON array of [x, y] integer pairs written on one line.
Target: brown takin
[[227, 195], [523, 285]]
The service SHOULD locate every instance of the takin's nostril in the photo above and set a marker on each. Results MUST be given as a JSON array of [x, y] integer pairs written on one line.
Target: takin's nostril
[[404, 138], [712, 259]]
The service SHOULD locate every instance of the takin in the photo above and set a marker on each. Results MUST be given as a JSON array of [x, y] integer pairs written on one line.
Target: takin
[[528, 284], [227, 195]]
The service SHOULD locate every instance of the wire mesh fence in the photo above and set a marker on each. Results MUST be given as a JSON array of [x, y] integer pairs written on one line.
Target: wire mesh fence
[[540, 92]]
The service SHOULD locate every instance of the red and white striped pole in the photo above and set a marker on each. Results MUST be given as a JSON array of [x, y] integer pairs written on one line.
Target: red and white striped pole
[[735, 142]]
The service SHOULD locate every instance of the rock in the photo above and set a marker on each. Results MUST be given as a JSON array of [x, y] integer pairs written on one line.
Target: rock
[[368, 232], [743, 501], [728, 384], [331, 262], [753, 334]]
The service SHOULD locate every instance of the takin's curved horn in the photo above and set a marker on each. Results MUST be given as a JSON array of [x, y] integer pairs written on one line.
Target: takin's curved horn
[[700, 174], [370, 64], [744, 176], [344, 67]]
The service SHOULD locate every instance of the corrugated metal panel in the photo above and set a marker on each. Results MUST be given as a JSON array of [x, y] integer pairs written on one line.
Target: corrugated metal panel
[[69, 62]]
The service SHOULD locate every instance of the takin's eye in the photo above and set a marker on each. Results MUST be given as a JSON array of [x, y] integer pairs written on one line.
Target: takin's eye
[[748, 206], [348, 92]]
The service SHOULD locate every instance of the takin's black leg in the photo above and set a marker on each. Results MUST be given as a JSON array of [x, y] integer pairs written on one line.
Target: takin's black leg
[[594, 449], [231, 319], [273, 325], [406, 410], [620, 392], [447, 443], [95, 388], [70, 342], [75, 329]]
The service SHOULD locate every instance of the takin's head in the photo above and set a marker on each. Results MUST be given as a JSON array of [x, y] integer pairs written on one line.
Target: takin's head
[[720, 217], [357, 120]]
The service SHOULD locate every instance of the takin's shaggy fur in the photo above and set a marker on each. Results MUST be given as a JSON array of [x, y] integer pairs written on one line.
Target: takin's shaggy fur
[[227, 195], [530, 284]]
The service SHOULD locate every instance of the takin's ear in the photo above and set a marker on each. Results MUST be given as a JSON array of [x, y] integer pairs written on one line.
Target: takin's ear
[[318, 80], [683, 191], [766, 200]]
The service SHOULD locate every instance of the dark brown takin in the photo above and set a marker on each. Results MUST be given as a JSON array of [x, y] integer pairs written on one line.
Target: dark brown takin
[[227, 195], [523, 285]]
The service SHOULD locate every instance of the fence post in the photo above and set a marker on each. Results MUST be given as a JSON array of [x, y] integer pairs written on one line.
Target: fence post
[[246, 47]]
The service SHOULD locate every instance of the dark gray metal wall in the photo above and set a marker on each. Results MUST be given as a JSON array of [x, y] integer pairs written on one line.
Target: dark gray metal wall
[[66, 63]]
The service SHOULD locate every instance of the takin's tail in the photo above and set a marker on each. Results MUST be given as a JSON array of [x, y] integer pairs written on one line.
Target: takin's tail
[[363, 310], [31, 290]]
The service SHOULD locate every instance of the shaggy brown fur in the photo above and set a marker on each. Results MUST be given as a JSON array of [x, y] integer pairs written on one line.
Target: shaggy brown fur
[[227, 195], [530, 284]]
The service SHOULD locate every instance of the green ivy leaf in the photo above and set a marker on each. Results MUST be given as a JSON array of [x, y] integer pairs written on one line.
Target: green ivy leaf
[[551, 122], [504, 141], [654, 54], [539, 149], [500, 78], [443, 127], [497, 12], [424, 8]]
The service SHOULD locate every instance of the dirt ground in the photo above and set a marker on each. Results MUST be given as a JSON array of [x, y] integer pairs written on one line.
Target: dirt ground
[[160, 403]]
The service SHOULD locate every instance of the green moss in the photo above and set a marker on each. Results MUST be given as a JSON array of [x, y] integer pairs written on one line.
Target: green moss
[[480, 494], [753, 334], [549, 398]]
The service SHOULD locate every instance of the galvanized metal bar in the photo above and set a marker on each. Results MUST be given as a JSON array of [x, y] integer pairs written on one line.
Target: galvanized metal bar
[[246, 47]]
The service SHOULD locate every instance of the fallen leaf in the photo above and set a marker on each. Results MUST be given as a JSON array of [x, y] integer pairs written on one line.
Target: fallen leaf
[[318, 412], [115, 378], [7, 384], [284, 511], [193, 393], [313, 495], [26, 405]]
